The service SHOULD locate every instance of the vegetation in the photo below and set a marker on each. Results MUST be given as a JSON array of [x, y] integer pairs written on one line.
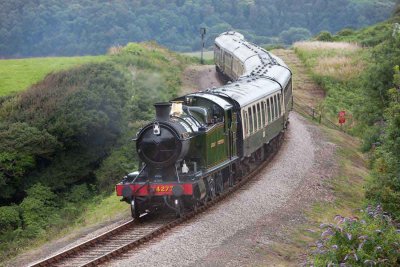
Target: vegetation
[[19, 74], [337, 67], [367, 241], [76, 27], [365, 82], [66, 141]]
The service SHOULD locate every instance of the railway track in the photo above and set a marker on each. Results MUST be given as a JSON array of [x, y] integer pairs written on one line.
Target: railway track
[[132, 234]]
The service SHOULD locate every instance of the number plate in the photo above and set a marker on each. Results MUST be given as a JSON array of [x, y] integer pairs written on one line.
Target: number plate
[[164, 188]]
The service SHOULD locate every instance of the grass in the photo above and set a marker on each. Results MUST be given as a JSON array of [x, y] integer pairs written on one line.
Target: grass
[[207, 55], [107, 209], [18, 74], [337, 60], [326, 46]]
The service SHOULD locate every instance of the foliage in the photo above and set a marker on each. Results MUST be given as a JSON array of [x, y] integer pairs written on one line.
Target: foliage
[[21, 147], [371, 240], [369, 36], [39, 209], [78, 27], [374, 240], [294, 34], [325, 36], [385, 184], [9, 218], [81, 114], [345, 32]]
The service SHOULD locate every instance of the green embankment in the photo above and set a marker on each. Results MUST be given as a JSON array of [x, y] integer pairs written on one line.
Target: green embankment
[[18, 74], [363, 78], [67, 140]]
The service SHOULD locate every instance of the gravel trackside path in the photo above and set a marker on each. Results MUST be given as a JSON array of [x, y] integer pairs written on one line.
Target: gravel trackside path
[[234, 232]]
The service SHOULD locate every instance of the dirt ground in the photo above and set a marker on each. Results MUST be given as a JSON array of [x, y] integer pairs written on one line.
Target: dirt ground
[[277, 199], [200, 77]]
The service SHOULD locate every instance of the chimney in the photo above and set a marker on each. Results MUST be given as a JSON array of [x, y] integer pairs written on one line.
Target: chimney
[[162, 111]]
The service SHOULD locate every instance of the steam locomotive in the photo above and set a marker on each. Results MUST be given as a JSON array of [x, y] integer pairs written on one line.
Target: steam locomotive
[[200, 144]]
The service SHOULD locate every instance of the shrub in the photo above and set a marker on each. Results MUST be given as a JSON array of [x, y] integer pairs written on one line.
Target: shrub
[[79, 193], [345, 32], [324, 36], [371, 240], [39, 208], [9, 218]]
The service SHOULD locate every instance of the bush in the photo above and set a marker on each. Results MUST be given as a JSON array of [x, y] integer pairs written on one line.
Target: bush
[[324, 36], [345, 32], [79, 193], [371, 240], [9, 218], [39, 208]]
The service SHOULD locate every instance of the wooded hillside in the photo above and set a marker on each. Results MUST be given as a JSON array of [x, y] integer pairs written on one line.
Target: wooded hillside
[[77, 27]]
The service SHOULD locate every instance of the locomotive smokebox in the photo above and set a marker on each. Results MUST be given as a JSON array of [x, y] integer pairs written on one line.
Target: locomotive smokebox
[[163, 110]]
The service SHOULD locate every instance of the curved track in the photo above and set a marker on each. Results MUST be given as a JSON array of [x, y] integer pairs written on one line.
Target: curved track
[[121, 239]]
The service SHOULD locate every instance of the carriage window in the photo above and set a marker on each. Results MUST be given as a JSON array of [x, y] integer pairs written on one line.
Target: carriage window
[[255, 118], [245, 124], [263, 113], [276, 107], [279, 105], [259, 116], [272, 109], [250, 120], [269, 110]]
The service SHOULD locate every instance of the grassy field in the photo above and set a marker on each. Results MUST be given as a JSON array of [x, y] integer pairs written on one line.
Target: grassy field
[[18, 74], [336, 67], [207, 55]]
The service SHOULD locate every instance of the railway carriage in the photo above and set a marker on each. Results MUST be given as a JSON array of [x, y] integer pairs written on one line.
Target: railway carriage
[[200, 144]]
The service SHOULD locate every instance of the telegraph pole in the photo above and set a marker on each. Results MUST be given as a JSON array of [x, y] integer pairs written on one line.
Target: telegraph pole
[[203, 33]]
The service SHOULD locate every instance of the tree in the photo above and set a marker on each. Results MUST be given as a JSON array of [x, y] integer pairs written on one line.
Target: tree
[[295, 34]]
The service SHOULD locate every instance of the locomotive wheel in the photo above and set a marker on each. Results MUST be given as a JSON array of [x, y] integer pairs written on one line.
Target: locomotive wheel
[[135, 211], [219, 182], [179, 208], [211, 187]]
